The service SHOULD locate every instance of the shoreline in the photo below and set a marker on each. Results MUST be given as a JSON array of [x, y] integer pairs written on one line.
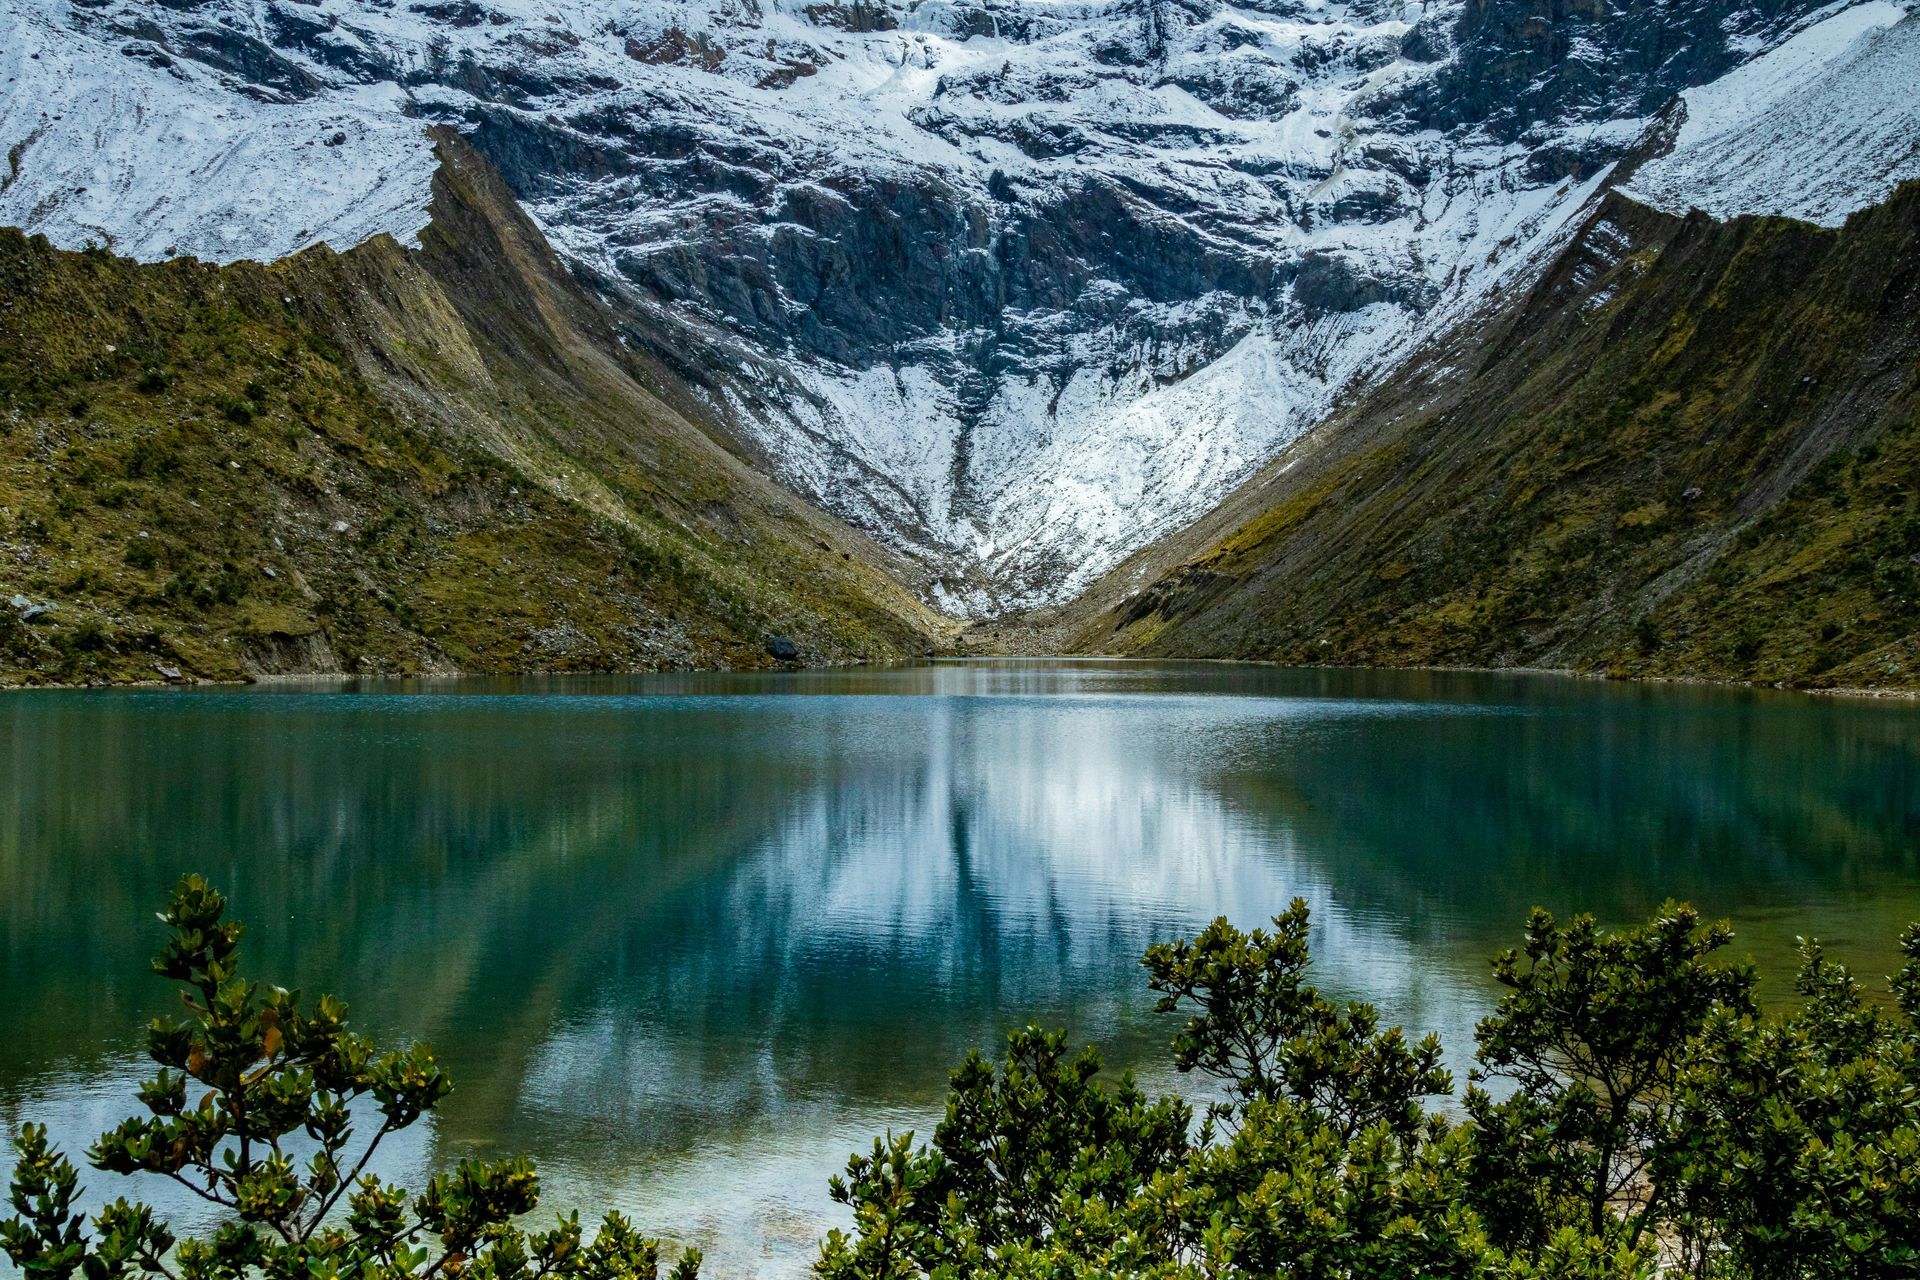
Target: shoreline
[[1866, 693]]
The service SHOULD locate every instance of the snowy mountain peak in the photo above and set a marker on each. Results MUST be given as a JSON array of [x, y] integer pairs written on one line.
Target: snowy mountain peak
[[1016, 284]]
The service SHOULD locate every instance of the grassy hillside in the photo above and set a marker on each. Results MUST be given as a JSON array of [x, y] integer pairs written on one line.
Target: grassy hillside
[[1692, 450], [386, 460]]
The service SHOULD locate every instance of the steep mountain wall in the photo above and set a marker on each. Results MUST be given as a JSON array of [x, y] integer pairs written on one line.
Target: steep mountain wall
[[1016, 285], [1692, 448], [387, 460]]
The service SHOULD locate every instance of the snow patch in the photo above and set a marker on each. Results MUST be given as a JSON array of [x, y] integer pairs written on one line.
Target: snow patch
[[1823, 125], [151, 157]]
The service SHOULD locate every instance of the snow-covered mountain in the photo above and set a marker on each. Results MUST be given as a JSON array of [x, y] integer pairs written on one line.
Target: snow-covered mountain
[[1017, 284]]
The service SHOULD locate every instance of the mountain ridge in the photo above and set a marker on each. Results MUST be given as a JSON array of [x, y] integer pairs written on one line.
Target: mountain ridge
[[1688, 450], [1031, 292], [388, 461], [1016, 287]]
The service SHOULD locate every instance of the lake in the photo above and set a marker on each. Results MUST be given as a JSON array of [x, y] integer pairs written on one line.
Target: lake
[[689, 940]]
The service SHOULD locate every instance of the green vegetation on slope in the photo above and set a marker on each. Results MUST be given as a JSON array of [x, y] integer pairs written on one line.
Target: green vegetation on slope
[[1693, 449], [384, 461]]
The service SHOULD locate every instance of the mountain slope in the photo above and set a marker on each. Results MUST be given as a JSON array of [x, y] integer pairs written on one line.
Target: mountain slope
[[1017, 285], [1693, 448], [1827, 123], [386, 460]]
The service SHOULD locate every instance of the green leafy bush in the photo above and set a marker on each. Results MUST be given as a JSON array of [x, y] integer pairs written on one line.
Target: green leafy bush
[[1795, 1149], [258, 1107], [1265, 1035], [1631, 1113], [1593, 1035]]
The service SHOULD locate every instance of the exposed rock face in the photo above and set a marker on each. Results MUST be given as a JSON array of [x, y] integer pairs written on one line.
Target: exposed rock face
[[1015, 284], [1526, 71]]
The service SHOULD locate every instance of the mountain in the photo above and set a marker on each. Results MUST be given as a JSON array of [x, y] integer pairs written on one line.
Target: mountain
[[1021, 291], [1692, 448], [388, 460], [1014, 285]]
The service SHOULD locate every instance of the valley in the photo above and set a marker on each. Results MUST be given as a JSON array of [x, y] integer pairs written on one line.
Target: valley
[[616, 336], [923, 639]]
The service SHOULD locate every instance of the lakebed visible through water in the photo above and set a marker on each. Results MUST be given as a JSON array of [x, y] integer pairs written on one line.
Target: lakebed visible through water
[[689, 940]]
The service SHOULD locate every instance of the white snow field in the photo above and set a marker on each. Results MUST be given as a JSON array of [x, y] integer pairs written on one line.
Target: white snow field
[[1827, 123], [152, 162]]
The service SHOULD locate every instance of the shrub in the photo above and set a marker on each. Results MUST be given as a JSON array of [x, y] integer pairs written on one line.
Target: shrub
[[257, 1106], [89, 636], [150, 458], [1592, 1036], [1265, 1035], [236, 409], [13, 632], [1651, 1121], [1796, 1144]]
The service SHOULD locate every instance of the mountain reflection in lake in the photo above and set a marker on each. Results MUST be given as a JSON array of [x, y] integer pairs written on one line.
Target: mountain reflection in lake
[[689, 940]]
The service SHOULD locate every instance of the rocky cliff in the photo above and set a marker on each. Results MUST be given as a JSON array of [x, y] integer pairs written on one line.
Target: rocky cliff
[[1014, 285]]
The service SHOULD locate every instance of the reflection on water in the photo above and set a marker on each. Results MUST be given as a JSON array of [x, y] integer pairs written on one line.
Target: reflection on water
[[690, 939]]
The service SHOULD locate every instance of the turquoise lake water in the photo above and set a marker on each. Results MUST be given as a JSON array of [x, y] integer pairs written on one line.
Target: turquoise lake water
[[689, 940]]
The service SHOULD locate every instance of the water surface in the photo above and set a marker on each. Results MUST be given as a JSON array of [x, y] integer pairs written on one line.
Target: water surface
[[689, 940]]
